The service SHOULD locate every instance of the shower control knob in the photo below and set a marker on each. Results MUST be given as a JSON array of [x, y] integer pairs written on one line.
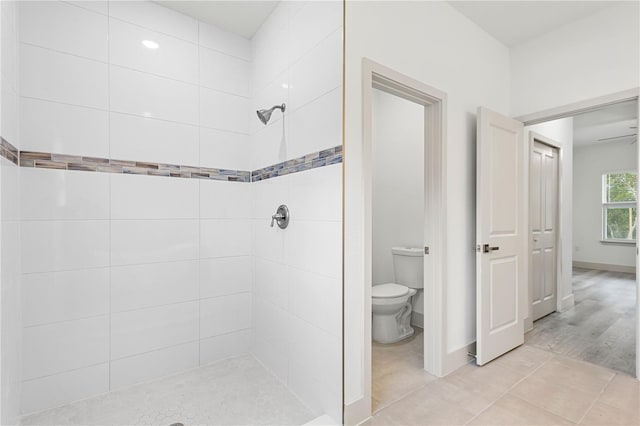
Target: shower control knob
[[281, 217]]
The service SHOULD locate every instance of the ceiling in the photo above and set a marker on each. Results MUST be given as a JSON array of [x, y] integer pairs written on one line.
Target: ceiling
[[613, 123], [240, 17], [516, 22]]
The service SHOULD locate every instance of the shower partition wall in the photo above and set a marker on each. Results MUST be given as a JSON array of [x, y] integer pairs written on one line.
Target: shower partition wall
[[10, 323], [147, 188], [297, 60]]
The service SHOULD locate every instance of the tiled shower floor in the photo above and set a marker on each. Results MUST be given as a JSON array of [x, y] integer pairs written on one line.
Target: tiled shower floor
[[238, 391]]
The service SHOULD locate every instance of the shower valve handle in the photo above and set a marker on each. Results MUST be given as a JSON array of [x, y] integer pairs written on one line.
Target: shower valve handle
[[277, 216], [281, 217]]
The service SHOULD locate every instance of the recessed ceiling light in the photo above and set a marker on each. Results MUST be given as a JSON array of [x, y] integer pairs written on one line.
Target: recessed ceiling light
[[285, 86], [150, 44]]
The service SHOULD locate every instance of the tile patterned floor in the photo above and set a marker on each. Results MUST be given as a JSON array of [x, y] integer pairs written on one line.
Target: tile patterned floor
[[233, 392], [600, 328], [527, 386]]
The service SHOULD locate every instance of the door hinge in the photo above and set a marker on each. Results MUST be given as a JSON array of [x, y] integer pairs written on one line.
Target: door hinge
[[426, 250]]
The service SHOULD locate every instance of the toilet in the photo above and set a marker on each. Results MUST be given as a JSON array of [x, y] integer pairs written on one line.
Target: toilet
[[391, 303]]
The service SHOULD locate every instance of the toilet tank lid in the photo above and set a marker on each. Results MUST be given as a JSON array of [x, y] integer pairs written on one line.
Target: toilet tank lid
[[389, 290], [408, 251]]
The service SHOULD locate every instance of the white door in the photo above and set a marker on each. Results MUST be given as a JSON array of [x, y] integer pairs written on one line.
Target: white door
[[543, 218], [501, 234]]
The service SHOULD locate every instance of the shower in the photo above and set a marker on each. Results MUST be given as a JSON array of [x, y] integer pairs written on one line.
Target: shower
[[265, 114]]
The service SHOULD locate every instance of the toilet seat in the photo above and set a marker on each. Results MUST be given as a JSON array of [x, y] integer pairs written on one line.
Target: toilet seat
[[389, 290], [390, 293]]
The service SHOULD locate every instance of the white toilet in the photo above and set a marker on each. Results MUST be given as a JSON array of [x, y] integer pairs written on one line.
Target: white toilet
[[391, 303]]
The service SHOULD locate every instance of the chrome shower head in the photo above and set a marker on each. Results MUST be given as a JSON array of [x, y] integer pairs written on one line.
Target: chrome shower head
[[265, 114]]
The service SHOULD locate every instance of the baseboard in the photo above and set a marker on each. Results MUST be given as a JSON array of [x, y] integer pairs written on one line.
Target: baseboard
[[605, 267], [358, 411], [567, 303], [417, 319], [458, 358]]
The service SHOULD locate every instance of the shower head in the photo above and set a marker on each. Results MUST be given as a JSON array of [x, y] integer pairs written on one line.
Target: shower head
[[265, 114]]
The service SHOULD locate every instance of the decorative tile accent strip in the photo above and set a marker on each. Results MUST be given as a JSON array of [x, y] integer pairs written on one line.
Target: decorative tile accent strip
[[46, 160], [91, 164], [314, 160], [9, 151]]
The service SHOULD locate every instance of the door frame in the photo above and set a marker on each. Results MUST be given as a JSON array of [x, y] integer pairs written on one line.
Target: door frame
[[584, 106], [377, 76], [537, 137]]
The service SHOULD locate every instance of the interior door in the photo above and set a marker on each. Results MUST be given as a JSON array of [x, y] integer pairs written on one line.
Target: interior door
[[501, 234], [543, 218]]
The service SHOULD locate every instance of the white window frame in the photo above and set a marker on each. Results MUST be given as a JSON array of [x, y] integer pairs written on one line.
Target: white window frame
[[620, 205]]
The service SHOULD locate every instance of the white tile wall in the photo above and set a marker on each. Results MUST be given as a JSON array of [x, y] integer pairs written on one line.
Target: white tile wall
[[225, 346], [225, 314], [224, 149], [317, 72], [224, 276], [174, 58], [64, 296], [225, 237], [50, 75], [145, 330], [100, 6], [64, 245], [146, 139], [142, 286], [47, 126], [224, 111], [158, 18], [59, 389], [153, 197], [225, 42], [149, 241], [63, 346], [56, 25], [139, 368], [10, 251], [223, 72], [237, 200], [147, 95], [63, 195]]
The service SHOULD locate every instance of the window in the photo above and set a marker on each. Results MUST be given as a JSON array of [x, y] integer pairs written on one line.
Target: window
[[619, 195]]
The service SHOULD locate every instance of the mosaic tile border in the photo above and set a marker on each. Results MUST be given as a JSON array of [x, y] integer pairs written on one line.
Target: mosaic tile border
[[46, 160], [314, 160], [9, 151]]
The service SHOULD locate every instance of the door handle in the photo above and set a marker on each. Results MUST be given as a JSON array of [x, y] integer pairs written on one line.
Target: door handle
[[488, 249]]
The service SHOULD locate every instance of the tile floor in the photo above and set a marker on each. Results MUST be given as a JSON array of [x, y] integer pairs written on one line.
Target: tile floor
[[238, 391], [600, 328], [527, 386]]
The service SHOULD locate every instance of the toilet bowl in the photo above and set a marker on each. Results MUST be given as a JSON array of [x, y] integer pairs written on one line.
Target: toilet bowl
[[391, 306], [391, 312]]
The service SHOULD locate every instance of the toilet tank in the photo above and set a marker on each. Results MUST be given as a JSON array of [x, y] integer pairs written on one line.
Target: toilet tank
[[408, 266]]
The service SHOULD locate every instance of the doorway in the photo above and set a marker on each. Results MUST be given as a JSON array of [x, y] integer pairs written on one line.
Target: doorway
[[600, 325], [428, 106]]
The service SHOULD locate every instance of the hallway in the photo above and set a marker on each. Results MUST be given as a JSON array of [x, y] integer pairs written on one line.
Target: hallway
[[600, 329]]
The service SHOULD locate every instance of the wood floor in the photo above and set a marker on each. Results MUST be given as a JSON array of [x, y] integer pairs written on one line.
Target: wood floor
[[600, 329]]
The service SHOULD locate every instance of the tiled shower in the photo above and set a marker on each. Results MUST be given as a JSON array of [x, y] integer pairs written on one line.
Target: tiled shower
[[135, 236]]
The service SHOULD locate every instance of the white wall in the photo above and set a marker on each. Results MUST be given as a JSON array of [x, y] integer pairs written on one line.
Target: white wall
[[298, 60], [397, 183], [561, 132], [595, 56], [433, 43], [125, 277], [10, 315], [589, 164]]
